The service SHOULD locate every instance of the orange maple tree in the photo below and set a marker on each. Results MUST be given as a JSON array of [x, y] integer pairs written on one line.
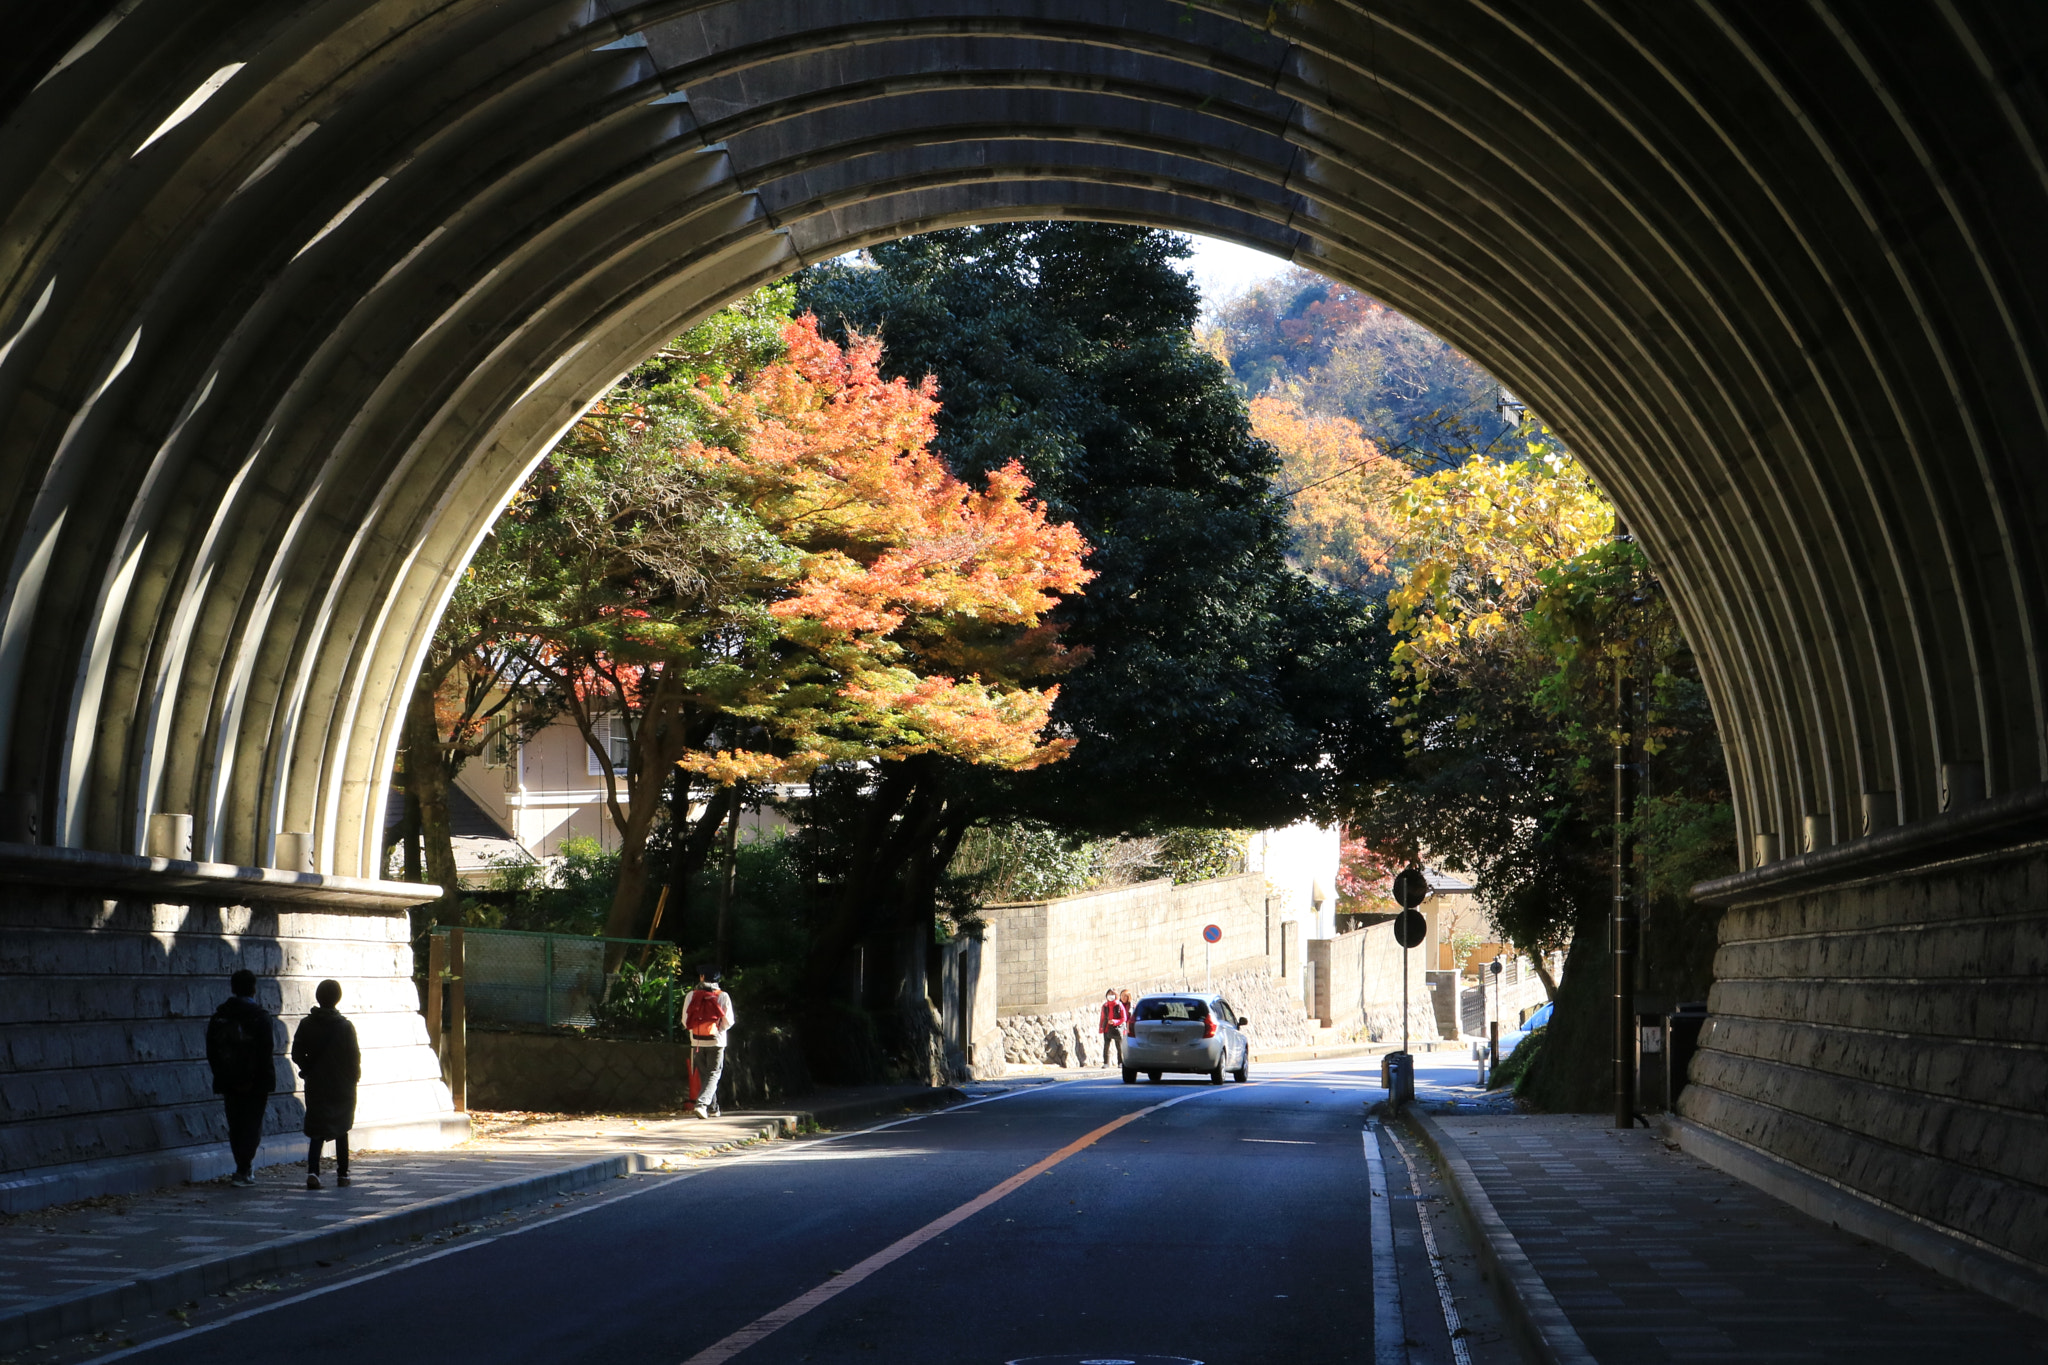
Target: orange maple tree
[[786, 577]]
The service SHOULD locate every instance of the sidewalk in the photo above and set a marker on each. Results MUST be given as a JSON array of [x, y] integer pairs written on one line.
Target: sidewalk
[[72, 1268], [1617, 1247]]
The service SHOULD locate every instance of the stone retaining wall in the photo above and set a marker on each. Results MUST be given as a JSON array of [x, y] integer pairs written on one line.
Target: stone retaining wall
[[103, 1034], [1891, 1036], [1358, 986], [1060, 955], [1068, 1038]]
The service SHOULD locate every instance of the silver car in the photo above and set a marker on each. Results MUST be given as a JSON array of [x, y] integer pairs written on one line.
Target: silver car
[[1195, 1031]]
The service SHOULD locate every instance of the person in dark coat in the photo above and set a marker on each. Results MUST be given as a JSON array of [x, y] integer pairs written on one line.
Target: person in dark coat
[[241, 1050], [331, 1063]]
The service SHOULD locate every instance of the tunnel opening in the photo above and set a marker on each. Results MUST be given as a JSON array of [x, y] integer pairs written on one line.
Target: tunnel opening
[[289, 302]]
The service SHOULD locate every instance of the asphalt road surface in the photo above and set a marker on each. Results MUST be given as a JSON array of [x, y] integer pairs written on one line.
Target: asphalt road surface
[[1084, 1220]]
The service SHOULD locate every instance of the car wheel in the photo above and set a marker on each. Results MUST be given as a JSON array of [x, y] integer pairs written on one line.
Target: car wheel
[[1216, 1075], [1244, 1071], [1152, 1076], [1130, 1076]]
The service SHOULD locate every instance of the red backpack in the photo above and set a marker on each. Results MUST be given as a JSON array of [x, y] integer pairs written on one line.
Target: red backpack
[[703, 1015]]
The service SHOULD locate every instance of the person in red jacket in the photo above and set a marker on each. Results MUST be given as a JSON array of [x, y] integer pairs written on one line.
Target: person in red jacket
[[1111, 1024]]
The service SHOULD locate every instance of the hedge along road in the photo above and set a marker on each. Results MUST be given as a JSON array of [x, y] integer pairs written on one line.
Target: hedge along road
[[1230, 1225]]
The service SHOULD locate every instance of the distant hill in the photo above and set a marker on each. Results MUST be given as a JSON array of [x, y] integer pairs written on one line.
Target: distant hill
[[1357, 397]]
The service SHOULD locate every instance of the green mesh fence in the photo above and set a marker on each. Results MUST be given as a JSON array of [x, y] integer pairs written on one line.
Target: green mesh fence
[[515, 977]]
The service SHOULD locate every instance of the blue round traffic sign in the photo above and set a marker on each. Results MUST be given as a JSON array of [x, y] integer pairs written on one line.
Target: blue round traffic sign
[[1213, 934]]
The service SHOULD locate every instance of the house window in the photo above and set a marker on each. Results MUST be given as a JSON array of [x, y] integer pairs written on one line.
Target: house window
[[613, 732], [499, 745]]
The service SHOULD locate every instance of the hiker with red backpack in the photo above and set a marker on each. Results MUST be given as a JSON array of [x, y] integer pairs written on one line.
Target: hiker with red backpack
[[709, 1017], [1114, 1020]]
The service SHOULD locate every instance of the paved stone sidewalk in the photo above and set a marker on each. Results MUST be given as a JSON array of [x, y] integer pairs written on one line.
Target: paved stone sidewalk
[[52, 1252], [1655, 1256], [57, 1253]]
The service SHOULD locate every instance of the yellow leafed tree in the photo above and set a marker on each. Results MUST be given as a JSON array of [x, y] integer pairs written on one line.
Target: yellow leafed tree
[[1471, 543]]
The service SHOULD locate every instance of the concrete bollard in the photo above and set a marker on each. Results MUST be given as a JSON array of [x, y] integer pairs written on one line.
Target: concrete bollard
[[294, 852], [170, 836]]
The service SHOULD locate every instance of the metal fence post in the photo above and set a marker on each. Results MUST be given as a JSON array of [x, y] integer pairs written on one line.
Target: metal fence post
[[458, 1042]]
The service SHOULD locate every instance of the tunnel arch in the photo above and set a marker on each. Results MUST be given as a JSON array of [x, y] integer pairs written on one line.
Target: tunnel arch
[[292, 295], [270, 367]]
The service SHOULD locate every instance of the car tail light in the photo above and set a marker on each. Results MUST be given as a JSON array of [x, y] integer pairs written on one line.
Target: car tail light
[[1209, 1027]]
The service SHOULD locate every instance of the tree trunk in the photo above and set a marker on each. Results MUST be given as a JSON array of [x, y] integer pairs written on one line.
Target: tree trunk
[[694, 849], [427, 780], [629, 908], [1543, 975]]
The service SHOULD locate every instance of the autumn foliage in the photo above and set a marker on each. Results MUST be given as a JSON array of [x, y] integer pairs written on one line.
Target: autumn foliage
[[920, 595], [1341, 488]]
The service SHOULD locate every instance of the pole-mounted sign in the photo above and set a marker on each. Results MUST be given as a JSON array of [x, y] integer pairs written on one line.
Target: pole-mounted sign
[[1410, 889]]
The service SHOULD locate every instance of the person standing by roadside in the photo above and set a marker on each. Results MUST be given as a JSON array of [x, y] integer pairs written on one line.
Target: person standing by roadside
[[331, 1062], [1110, 1024], [709, 1018], [241, 1051], [1130, 1012]]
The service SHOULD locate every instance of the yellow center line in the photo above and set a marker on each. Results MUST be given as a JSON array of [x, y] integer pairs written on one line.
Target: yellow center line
[[754, 1331]]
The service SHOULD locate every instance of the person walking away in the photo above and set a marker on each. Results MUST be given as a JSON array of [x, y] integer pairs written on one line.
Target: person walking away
[[1114, 1016], [241, 1051], [709, 1018], [330, 1062]]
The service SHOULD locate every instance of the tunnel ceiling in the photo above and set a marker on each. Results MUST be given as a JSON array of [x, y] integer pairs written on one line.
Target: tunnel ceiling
[[292, 295]]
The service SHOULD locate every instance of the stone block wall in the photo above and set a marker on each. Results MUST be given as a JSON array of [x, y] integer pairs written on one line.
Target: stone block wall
[[103, 1010], [1060, 955], [1068, 1038], [1358, 986], [1890, 1035]]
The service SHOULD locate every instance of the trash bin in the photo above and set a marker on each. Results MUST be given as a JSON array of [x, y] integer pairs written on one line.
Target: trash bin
[[1681, 1040], [1397, 1077]]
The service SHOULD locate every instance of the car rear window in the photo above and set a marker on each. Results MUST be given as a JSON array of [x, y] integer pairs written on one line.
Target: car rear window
[[1172, 1009]]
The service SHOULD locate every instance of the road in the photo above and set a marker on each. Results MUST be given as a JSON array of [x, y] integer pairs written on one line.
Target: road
[[1090, 1220]]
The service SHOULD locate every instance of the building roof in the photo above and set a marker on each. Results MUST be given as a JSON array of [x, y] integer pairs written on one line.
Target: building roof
[[1441, 881]]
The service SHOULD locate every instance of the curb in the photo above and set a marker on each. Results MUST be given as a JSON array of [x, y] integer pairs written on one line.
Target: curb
[[795, 1122], [164, 1288], [170, 1285], [1529, 1302]]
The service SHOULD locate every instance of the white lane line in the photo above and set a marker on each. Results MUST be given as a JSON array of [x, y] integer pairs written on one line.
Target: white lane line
[[1436, 1265], [1389, 1330]]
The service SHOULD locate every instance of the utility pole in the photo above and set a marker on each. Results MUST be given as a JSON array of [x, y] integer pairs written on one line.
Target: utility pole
[[1623, 926], [725, 880]]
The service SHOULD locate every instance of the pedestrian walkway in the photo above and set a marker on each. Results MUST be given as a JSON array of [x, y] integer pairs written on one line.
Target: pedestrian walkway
[[1654, 1256], [69, 1268]]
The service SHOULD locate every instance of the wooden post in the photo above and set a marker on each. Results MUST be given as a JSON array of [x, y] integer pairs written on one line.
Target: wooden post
[[458, 1019], [437, 973], [660, 904]]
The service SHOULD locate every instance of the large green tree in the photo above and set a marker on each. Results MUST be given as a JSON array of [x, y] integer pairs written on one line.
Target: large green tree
[[1221, 688]]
